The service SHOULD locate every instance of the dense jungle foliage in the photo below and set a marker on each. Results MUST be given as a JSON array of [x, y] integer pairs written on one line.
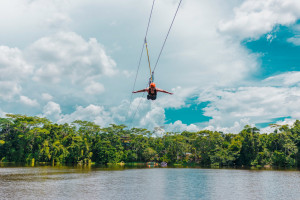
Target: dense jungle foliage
[[27, 139]]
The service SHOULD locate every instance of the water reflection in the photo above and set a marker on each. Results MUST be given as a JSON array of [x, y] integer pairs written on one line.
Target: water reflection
[[115, 182]]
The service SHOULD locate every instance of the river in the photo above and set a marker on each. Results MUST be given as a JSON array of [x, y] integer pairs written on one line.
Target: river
[[46, 182]]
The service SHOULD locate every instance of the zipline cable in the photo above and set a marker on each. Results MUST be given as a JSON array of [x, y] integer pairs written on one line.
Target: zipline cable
[[140, 59], [152, 74], [167, 36], [142, 51], [148, 60]]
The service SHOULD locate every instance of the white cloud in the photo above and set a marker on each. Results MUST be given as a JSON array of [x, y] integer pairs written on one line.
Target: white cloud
[[286, 79], [287, 121], [29, 20], [13, 69], [122, 113], [158, 131], [2, 113], [12, 64], [49, 73], [294, 40], [47, 97], [9, 89], [68, 57], [178, 126], [94, 88], [252, 104], [138, 108], [254, 18], [142, 113], [235, 128], [154, 118], [202, 56], [230, 110], [128, 74], [93, 113], [177, 100], [27, 101], [270, 129], [58, 20], [62, 63], [67, 54], [70, 63], [52, 111], [270, 37]]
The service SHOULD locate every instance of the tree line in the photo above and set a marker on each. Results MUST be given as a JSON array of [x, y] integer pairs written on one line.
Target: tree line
[[35, 139]]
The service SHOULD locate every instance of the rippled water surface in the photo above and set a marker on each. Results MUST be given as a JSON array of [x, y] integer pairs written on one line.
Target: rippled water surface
[[47, 182]]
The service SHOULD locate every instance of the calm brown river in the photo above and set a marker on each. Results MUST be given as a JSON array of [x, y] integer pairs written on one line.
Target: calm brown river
[[47, 182]]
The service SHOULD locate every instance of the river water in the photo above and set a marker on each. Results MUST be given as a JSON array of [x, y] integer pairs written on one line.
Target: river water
[[46, 182]]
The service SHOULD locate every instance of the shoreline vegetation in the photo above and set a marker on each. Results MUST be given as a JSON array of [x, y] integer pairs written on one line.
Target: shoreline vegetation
[[34, 140], [139, 165]]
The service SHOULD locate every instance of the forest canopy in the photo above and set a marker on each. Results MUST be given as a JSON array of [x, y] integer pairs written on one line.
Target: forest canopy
[[26, 138]]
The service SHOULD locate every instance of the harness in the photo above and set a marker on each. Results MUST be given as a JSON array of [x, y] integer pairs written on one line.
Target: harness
[[152, 94]]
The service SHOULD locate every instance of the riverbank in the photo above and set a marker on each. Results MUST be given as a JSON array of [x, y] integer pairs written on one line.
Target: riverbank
[[139, 165]]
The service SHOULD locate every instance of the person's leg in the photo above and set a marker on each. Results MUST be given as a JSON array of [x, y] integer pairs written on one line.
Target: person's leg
[[153, 97], [148, 97]]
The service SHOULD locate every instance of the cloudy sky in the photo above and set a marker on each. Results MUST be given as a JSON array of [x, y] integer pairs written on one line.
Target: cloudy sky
[[229, 63]]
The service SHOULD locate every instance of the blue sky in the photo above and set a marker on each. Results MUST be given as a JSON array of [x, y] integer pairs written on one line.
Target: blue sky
[[229, 63], [278, 55]]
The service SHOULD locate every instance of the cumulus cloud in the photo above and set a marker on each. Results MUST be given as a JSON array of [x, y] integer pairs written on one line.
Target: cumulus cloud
[[47, 97], [13, 69], [177, 100], [254, 18], [94, 88], [286, 79], [92, 113], [155, 117], [69, 64], [63, 60], [270, 129], [9, 89], [58, 20], [230, 109], [49, 73], [12, 64], [122, 113], [286, 121], [52, 111], [66, 54], [294, 40], [236, 127], [252, 104], [27, 101], [178, 126], [206, 57], [149, 115], [2, 113], [29, 20]]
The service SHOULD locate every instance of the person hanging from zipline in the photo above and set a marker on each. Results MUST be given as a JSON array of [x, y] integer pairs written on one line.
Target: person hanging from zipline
[[152, 91]]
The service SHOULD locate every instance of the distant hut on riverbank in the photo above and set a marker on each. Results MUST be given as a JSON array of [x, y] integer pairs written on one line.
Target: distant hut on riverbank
[[163, 164]]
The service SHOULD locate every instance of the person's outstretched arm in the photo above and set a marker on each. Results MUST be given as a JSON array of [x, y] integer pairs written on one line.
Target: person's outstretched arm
[[143, 90], [164, 91]]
